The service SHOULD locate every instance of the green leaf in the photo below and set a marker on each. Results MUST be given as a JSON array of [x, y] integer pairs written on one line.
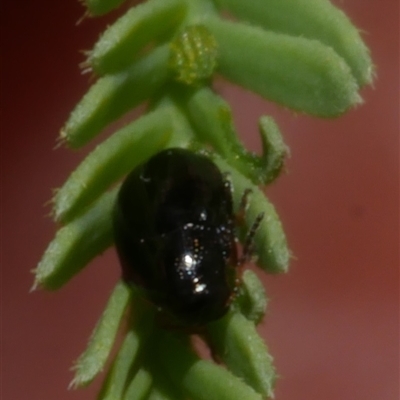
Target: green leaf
[[251, 300], [303, 54], [200, 379], [117, 381], [163, 392], [121, 42], [110, 160], [139, 387], [92, 361], [76, 244], [100, 7], [162, 388], [274, 149], [114, 95], [212, 120], [296, 72], [237, 342], [311, 19], [269, 241], [157, 394]]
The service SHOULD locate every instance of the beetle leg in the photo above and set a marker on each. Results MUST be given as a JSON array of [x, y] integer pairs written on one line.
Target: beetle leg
[[248, 245], [227, 182], [228, 186], [241, 212]]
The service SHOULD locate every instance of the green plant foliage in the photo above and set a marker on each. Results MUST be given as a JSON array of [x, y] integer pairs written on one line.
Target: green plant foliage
[[118, 378], [147, 23], [98, 171], [200, 379], [212, 119], [100, 7], [193, 55], [92, 361], [114, 95], [269, 241], [303, 54], [311, 19], [77, 243], [302, 74], [251, 299], [243, 351]]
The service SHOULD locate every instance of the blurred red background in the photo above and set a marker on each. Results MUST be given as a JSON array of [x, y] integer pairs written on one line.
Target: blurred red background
[[332, 324]]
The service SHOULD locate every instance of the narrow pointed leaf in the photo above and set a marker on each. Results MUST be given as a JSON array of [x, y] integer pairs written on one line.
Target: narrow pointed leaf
[[237, 342], [100, 7], [140, 386], [269, 241], [201, 379], [92, 361], [110, 160], [135, 339], [114, 95], [251, 300], [120, 43], [76, 244]]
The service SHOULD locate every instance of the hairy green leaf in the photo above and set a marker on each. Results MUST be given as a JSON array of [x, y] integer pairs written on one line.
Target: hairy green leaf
[[237, 342], [251, 300], [211, 118], [76, 244], [120, 43], [296, 72], [269, 241], [201, 379], [139, 387], [92, 361], [312, 19], [100, 7], [117, 381], [114, 95], [110, 160]]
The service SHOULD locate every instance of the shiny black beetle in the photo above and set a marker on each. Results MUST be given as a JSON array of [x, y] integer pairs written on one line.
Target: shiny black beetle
[[174, 234]]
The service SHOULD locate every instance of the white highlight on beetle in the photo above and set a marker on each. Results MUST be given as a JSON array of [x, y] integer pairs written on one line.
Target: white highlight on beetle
[[189, 261]]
